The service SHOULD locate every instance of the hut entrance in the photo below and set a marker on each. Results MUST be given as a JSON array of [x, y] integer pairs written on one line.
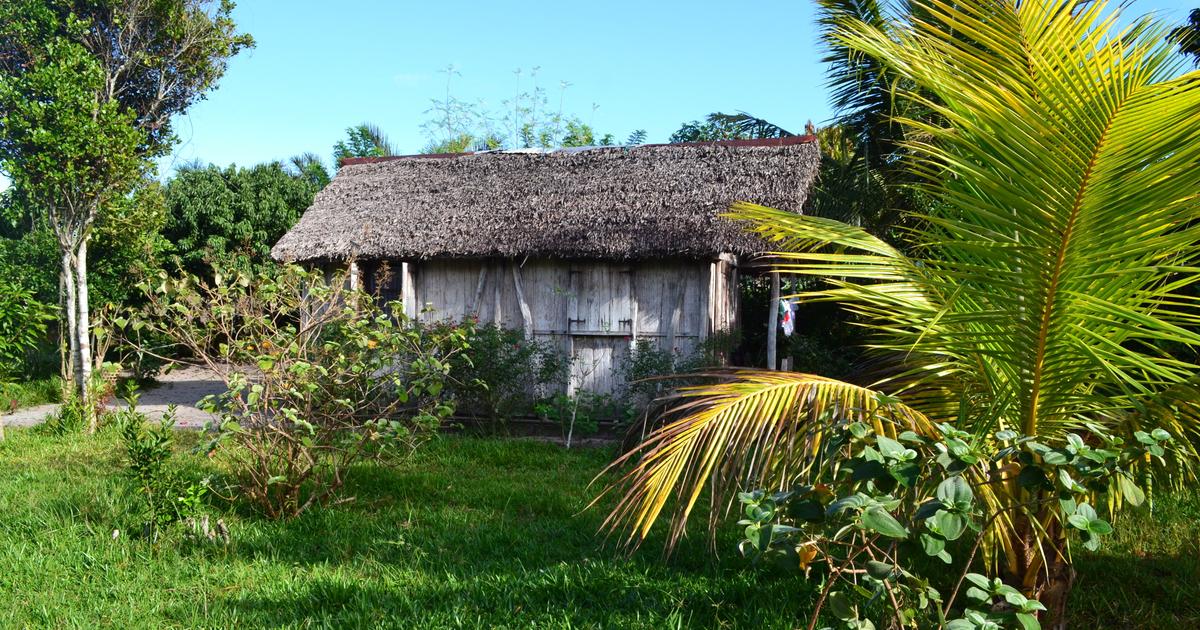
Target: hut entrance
[[600, 325]]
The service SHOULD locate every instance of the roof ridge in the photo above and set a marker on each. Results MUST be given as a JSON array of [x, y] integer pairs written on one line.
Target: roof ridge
[[755, 142]]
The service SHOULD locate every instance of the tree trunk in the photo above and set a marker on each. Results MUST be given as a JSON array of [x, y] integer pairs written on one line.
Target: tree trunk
[[1056, 592], [1043, 571], [83, 336], [70, 309], [65, 352]]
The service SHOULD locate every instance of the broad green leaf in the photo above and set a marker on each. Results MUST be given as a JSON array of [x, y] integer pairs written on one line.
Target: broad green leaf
[[880, 521]]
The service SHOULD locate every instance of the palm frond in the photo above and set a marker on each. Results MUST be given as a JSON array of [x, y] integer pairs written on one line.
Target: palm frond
[[1070, 224], [749, 126], [752, 428], [1037, 292]]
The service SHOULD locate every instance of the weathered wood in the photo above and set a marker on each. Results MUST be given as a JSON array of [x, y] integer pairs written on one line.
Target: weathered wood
[[408, 289], [593, 311], [475, 305], [633, 311], [711, 301], [672, 310], [497, 310], [526, 313], [773, 325], [352, 279]]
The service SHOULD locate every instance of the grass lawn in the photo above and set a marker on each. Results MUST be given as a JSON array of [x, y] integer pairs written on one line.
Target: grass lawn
[[474, 533], [30, 393]]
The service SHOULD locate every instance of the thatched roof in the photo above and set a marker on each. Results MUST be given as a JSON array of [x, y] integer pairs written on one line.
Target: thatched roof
[[649, 201]]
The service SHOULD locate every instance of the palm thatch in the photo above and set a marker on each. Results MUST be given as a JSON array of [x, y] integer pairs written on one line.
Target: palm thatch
[[624, 203]]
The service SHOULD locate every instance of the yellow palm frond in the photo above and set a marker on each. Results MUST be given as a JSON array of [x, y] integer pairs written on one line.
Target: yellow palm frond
[[750, 427]]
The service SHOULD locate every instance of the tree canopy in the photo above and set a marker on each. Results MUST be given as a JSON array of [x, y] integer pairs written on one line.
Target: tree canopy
[[214, 213], [87, 90], [1188, 36]]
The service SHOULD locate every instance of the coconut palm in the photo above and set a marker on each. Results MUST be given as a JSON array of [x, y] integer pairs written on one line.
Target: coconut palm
[[1037, 294]]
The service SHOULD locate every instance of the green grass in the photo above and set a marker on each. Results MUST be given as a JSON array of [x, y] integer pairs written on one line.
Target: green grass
[[472, 533], [30, 393]]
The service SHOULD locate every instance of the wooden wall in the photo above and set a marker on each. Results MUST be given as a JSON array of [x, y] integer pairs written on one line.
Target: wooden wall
[[592, 311]]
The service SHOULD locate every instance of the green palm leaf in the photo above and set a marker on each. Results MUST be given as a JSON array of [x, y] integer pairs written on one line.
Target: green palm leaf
[[1040, 288]]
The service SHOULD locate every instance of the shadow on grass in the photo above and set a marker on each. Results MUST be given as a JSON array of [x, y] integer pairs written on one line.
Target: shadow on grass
[[497, 543], [571, 596], [1138, 591]]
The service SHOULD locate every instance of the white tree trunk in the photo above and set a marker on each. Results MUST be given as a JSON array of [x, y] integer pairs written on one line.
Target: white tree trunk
[[83, 335], [70, 309]]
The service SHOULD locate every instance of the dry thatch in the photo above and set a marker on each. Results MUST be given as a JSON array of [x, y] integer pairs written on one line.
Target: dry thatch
[[650, 201]]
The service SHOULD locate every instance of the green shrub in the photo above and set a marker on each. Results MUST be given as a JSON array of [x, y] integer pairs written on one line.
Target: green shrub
[[318, 376], [23, 322], [166, 494], [502, 374], [582, 412], [70, 418], [874, 526], [649, 371]]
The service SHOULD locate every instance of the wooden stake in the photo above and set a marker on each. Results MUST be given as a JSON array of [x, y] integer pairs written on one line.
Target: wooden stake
[[773, 325]]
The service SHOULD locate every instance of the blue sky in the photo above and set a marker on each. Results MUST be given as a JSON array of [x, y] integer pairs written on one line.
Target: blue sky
[[321, 66]]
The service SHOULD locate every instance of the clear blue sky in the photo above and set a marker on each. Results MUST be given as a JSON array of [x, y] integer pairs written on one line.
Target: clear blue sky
[[321, 66]]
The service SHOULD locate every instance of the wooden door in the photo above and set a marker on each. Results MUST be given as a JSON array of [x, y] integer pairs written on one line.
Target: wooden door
[[600, 321]]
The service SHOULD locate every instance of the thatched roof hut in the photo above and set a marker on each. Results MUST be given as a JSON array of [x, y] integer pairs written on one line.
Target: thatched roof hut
[[613, 203], [589, 249]]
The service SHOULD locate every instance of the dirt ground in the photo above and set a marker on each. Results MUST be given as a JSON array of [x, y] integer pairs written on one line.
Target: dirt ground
[[184, 387]]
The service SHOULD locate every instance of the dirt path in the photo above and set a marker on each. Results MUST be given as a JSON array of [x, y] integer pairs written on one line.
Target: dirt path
[[183, 387]]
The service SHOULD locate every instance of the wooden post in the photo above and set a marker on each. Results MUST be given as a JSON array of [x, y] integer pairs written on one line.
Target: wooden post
[[496, 314], [773, 325], [408, 289], [476, 303], [352, 276], [526, 313]]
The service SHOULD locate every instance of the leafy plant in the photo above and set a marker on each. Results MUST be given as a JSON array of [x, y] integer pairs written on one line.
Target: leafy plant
[[641, 370], [881, 505], [501, 374], [71, 417], [167, 495], [581, 413], [220, 214], [1057, 254], [319, 377], [23, 322]]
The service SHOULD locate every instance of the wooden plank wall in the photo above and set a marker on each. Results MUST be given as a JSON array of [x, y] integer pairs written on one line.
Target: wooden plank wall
[[594, 311]]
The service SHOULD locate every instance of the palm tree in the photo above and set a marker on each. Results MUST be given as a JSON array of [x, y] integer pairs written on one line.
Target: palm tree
[[1036, 293]]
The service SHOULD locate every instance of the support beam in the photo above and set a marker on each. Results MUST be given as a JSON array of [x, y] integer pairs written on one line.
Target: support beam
[[476, 305], [773, 325], [352, 279], [408, 289], [526, 313], [497, 316]]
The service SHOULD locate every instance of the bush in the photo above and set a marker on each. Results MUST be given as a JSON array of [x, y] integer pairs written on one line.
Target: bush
[[582, 412], [873, 526], [23, 322], [319, 377], [166, 495], [215, 213], [502, 373], [71, 417]]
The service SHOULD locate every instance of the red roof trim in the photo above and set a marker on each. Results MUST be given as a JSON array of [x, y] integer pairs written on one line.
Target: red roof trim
[[760, 142]]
